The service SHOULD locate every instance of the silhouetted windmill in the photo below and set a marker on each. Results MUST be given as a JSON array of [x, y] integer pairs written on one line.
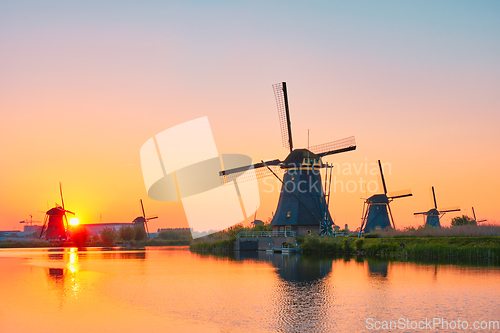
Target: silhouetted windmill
[[143, 220], [55, 223], [474, 213], [303, 204], [376, 210], [433, 215]]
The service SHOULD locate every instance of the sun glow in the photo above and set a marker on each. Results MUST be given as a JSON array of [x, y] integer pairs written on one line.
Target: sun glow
[[74, 221]]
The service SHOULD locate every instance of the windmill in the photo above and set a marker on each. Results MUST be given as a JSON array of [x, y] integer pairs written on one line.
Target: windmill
[[474, 213], [55, 224], [143, 220], [303, 204], [433, 215], [376, 209]]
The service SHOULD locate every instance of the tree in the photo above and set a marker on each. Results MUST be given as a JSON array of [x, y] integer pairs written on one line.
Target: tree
[[80, 235], [109, 236], [127, 233], [140, 232], [462, 220]]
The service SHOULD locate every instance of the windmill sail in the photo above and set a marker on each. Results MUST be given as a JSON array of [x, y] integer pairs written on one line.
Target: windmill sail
[[334, 147], [252, 174], [281, 95], [400, 194]]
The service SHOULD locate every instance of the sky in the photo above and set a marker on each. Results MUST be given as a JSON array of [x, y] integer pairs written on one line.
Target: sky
[[83, 85]]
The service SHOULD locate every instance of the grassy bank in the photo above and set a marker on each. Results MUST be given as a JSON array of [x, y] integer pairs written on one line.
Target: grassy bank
[[429, 247], [223, 241]]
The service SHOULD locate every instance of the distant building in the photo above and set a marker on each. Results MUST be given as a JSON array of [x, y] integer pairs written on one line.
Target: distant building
[[29, 229]]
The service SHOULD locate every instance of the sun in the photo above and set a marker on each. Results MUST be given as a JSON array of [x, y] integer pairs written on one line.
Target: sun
[[74, 221]]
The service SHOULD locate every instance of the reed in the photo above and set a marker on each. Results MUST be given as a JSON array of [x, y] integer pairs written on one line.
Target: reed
[[430, 247], [217, 246], [455, 231]]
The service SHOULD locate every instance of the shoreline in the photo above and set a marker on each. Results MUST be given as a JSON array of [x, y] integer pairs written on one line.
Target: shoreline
[[464, 247]]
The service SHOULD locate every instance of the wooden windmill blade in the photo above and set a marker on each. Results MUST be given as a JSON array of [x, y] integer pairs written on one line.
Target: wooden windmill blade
[[250, 172], [64, 209], [400, 194], [382, 175], [248, 167], [334, 147], [44, 227], [434, 197], [281, 95], [142, 207], [449, 210], [420, 213]]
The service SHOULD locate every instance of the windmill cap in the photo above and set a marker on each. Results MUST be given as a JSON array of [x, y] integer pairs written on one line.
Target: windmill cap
[[378, 198], [433, 212], [297, 156], [139, 219], [55, 211]]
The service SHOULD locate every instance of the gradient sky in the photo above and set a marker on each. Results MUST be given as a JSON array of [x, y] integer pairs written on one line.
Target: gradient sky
[[84, 84]]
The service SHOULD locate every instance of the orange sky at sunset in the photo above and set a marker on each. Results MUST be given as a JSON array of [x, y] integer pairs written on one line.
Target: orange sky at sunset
[[83, 86]]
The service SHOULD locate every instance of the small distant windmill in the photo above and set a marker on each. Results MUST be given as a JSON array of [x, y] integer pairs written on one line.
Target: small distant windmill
[[303, 204], [376, 210], [55, 224], [143, 220], [433, 215], [474, 213]]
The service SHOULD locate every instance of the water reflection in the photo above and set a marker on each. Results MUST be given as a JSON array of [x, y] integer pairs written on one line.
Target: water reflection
[[64, 267], [57, 274], [377, 266], [303, 290], [110, 255]]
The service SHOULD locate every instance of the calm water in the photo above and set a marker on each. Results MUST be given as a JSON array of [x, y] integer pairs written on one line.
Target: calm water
[[174, 290]]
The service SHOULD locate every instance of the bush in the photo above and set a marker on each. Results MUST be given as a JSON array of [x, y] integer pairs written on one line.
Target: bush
[[127, 233], [346, 246], [359, 244], [462, 220], [109, 236], [140, 232]]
